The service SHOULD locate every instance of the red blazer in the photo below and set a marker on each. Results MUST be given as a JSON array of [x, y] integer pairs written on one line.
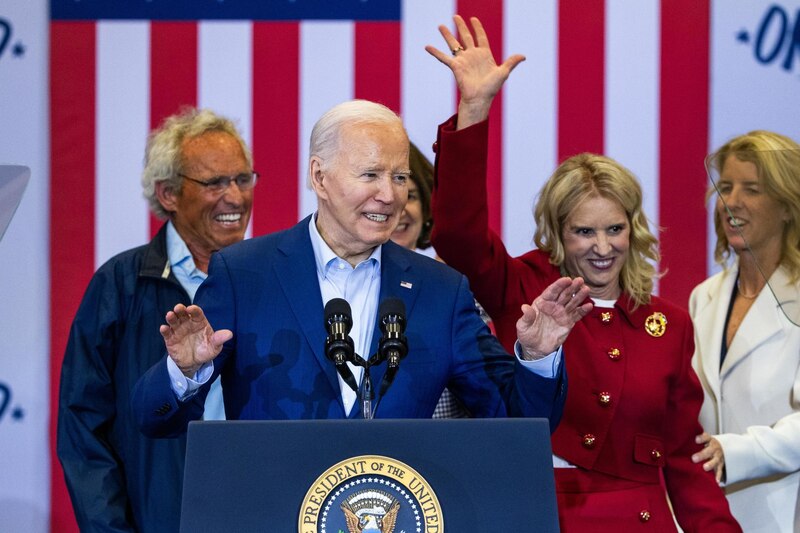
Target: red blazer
[[633, 398]]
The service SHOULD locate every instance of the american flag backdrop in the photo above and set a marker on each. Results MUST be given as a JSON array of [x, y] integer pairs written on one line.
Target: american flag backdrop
[[654, 84]]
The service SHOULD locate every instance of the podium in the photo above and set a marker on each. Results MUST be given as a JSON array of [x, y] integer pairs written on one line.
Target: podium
[[370, 476]]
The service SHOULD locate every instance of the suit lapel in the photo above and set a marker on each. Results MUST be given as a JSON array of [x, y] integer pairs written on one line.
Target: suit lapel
[[296, 271], [763, 320], [710, 323], [398, 280]]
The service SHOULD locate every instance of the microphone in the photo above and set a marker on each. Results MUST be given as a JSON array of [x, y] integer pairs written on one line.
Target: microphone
[[339, 346], [393, 345]]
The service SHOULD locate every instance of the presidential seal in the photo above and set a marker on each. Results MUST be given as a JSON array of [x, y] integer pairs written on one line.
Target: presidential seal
[[370, 494]]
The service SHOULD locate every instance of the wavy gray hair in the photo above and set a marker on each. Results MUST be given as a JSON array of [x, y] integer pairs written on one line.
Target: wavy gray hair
[[162, 160]]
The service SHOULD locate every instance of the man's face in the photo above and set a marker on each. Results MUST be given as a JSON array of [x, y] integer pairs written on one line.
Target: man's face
[[206, 220], [362, 192]]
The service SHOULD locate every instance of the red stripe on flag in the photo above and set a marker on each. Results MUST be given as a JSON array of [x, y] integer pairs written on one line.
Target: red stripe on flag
[[491, 17], [685, 33], [377, 63], [72, 190], [581, 77], [276, 129], [173, 75]]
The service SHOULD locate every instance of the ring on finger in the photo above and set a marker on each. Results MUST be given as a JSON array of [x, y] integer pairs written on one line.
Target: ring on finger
[[457, 50]]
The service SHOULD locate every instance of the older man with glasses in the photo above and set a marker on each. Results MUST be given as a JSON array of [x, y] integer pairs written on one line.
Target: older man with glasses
[[199, 177]]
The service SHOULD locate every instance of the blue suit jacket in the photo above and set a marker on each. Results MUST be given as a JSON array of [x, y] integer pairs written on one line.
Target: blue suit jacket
[[266, 291]]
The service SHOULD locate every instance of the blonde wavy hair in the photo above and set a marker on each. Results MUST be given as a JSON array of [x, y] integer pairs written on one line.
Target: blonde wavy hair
[[777, 161], [588, 175]]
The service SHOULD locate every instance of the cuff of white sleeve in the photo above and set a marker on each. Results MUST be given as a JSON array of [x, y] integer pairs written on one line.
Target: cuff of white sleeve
[[546, 367], [183, 387]]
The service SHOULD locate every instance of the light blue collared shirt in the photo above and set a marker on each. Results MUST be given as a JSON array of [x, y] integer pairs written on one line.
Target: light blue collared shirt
[[361, 287], [182, 263]]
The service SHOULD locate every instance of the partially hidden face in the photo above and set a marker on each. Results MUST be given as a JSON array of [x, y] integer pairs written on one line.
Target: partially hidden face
[[596, 238], [209, 221], [752, 218], [410, 226], [363, 191]]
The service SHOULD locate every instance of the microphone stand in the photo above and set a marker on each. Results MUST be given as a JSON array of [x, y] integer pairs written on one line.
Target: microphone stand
[[367, 394]]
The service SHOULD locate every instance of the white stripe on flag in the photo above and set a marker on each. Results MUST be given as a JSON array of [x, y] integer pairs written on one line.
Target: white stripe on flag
[[225, 75], [428, 92], [326, 79], [632, 94], [529, 115], [123, 111]]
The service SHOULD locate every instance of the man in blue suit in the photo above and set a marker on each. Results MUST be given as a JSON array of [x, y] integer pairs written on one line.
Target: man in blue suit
[[259, 316]]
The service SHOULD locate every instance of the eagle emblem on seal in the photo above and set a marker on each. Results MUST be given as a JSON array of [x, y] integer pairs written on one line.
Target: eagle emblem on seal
[[370, 511]]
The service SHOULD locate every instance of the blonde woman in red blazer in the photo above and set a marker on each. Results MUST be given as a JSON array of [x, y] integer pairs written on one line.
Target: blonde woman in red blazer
[[633, 399]]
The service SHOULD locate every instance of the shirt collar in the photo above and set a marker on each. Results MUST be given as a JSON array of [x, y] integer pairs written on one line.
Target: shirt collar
[[324, 256], [179, 255], [603, 303]]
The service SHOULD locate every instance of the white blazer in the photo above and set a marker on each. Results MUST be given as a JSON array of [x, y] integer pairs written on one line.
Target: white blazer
[[752, 404]]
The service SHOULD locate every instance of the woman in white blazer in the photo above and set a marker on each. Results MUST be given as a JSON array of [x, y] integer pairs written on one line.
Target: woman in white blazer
[[747, 339]]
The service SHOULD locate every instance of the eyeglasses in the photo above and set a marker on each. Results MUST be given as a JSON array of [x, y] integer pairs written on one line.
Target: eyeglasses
[[219, 184]]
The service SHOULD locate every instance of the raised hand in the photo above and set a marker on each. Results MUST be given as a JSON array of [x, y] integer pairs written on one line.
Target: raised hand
[[478, 76], [190, 340], [545, 324]]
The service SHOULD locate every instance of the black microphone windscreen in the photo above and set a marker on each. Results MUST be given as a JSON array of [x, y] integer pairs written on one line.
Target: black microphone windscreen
[[336, 306], [392, 306]]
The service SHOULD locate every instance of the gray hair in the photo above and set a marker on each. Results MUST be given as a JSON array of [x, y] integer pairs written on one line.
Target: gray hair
[[326, 133], [162, 160]]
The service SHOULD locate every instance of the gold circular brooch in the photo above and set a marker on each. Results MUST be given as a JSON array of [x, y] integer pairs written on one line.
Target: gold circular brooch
[[656, 324]]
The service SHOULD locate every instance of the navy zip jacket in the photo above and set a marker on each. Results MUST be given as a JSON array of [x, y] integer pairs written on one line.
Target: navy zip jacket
[[118, 479]]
